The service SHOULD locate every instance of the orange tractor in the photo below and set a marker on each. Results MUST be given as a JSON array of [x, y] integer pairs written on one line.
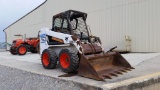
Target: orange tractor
[[21, 46]]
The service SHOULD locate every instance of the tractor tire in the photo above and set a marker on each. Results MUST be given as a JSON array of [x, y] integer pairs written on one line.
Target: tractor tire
[[22, 50], [13, 51], [38, 48], [49, 59], [68, 60], [34, 51]]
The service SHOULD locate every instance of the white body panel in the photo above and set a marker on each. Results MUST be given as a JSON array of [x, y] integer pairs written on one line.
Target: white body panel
[[68, 43]]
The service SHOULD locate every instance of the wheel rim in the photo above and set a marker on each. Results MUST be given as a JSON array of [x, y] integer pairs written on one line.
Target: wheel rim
[[22, 50], [64, 60], [45, 59]]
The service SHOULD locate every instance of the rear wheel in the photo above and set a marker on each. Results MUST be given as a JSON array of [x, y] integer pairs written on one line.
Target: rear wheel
[[33, 50], [37, 48], [13, 51], [22, 50], [49, 59], [69, 61]]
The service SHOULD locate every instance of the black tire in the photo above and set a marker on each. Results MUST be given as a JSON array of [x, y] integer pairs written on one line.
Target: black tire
[[13, 51], [34, 51], [22, 50], [67, 56], [38, 48], [50, 61]]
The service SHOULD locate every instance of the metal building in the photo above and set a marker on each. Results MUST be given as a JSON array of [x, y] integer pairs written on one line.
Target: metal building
[[132, 25]]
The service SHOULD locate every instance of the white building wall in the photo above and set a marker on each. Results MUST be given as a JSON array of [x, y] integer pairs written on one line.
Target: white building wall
[[111, 20]]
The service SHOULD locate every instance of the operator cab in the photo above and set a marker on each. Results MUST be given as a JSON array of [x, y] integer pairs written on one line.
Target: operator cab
[[73, 23]]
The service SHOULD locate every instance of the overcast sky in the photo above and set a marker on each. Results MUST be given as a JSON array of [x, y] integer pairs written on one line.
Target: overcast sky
[[12, 10]]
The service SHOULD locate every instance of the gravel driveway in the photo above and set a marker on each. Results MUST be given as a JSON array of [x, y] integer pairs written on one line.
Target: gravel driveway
[[14, 79]]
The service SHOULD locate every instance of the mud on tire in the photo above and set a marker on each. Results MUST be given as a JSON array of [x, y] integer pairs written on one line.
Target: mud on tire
[[68, 60], [49, 59]]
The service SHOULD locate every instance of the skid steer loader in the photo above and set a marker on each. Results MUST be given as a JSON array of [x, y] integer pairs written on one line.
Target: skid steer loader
[[70, 42]]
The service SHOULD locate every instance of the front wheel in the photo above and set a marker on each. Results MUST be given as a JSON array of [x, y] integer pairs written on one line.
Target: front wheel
[[69, 60], [22, 50], [13, 51], [49, 59]]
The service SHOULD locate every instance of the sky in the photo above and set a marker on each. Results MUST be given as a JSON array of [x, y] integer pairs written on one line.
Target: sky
[[12, 10]]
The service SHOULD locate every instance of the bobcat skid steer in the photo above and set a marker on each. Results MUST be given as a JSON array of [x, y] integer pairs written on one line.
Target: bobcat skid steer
[[70, 43]]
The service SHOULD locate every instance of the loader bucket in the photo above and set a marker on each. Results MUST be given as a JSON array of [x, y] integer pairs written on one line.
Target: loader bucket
[[103, 65]]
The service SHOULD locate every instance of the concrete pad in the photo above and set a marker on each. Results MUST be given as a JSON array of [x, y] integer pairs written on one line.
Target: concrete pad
[[137, 58], [146, 70]]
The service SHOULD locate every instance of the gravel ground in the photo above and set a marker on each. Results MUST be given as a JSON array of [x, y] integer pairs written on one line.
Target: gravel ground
[[14, 79]]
